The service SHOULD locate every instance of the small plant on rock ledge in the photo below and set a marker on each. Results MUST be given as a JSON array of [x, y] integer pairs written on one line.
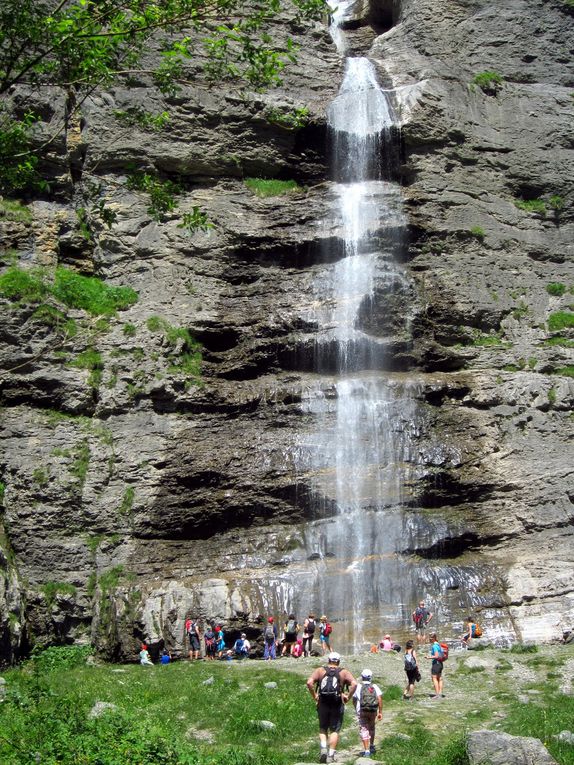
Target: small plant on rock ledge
[[489, 82], [477, 232]]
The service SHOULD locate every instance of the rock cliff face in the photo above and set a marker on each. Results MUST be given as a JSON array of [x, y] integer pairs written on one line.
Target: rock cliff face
[[138, 494]]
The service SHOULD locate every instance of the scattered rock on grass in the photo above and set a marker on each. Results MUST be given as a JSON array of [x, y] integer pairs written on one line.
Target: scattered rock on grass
[[566, 736], [263, 724], [270, 685], [100, 708], [494, 748], [209, 681]]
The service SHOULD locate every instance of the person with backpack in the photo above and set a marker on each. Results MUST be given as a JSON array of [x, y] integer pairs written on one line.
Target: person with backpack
[[308, 634], [331, 687], [210, 643], [269, 640], [290, 634], [368, 701], [325, 630], [438, 655], [412, 670], [192, 632], [421, 617], [241, 647], [472, 631]]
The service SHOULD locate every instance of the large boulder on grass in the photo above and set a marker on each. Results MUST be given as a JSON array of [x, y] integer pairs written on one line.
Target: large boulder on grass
[[488, 747]]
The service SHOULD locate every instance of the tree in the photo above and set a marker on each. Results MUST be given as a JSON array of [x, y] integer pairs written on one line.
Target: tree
[[82, 45]]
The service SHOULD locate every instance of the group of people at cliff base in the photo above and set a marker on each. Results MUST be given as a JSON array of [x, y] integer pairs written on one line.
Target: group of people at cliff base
[[293, 645]]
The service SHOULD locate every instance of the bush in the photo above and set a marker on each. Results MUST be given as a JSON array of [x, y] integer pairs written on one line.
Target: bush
[[560, 320], [488, 82], [556, 288], [531, 205], [524, 648], [60, 657], [27, 286], [90, 293]]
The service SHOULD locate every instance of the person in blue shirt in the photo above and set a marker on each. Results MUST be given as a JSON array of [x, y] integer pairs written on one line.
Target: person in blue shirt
[[165, 658], [436, 656]]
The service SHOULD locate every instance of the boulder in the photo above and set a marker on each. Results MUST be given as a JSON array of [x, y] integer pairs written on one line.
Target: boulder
[[488, 747]]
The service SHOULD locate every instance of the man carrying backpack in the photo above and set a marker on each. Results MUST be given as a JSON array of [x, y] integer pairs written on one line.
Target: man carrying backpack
[[269, 639], [368, 701], [327, 686], [242, 647], [421, 617], [192, 631]]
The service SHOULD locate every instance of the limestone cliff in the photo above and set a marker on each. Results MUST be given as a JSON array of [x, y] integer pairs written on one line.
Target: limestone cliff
[[140, 493]]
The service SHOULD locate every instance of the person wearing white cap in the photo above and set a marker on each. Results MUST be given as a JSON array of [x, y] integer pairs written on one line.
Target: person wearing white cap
[[368, 701], [327, 686]]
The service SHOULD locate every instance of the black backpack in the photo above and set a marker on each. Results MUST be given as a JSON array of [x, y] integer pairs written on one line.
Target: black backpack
[[369, 701], [311, 627], [330, 685]]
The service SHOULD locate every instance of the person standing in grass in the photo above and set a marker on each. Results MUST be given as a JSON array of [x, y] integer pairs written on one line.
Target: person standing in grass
[[421, 617], [437, 658], [290, 634], [412, 670], [368, 701], [269, 639], [308, 634], [192, 631], [327, 687], [325, 630]]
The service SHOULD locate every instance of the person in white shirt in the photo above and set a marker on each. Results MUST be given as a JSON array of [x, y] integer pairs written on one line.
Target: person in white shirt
[[368, 701]]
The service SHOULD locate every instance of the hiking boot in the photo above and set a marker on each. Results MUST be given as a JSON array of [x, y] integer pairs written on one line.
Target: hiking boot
[[372, 749], [323, 757]]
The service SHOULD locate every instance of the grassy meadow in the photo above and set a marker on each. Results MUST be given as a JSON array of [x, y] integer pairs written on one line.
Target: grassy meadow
[[210, 713]]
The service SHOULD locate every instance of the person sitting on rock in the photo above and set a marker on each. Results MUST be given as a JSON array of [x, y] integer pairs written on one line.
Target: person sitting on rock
[[470, 631], [386, 643], [145, 660], [241, 647]]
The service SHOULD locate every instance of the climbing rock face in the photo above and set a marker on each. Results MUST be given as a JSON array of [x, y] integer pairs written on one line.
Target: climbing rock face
[[139, 489]]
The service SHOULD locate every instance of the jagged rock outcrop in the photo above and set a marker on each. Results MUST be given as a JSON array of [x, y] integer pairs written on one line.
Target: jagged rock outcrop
[[139, 494]]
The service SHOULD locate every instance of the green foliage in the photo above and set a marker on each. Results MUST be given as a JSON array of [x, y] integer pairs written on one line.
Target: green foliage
[[92, 360], [290, 120], [137, 117], [161, 193], [545, 720], [564, 342], [524, 648], [110, 579], [2, 492], [58, 658], [537, 206], [195, 221], [84, 44], [18, 163], [560, 320], [129, 330], [12, 209], [392, 693], [478, 232], [81, 460], [90, 293], [263, 187], [552, 396], [556, 288], [41, 476], [567, 371], [556, 203], [520, 310], [27, 286], [56, 319], [488, 82], [127, 503], [51, 589]]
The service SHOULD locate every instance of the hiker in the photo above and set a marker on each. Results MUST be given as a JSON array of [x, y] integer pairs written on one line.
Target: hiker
[[269, 639], [290, 634], [470, 631], [368, 701], [327, 686], [297, 649], [219, 641], [325, 630], [192, 631], [165, 658], [421, 617], [308, 634], [241, 647], [386, 643], [210, 643], [412, 670], [437, 657], [145, 660]]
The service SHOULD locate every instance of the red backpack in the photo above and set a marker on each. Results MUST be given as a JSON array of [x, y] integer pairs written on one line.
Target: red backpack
[[327, 629], [444, 651]]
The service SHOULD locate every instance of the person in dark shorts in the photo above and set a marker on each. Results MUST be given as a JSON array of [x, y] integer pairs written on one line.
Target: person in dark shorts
[[331, 687], [192, 631], [290, 632], [411, 669], [421, 617], [436, 656]]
